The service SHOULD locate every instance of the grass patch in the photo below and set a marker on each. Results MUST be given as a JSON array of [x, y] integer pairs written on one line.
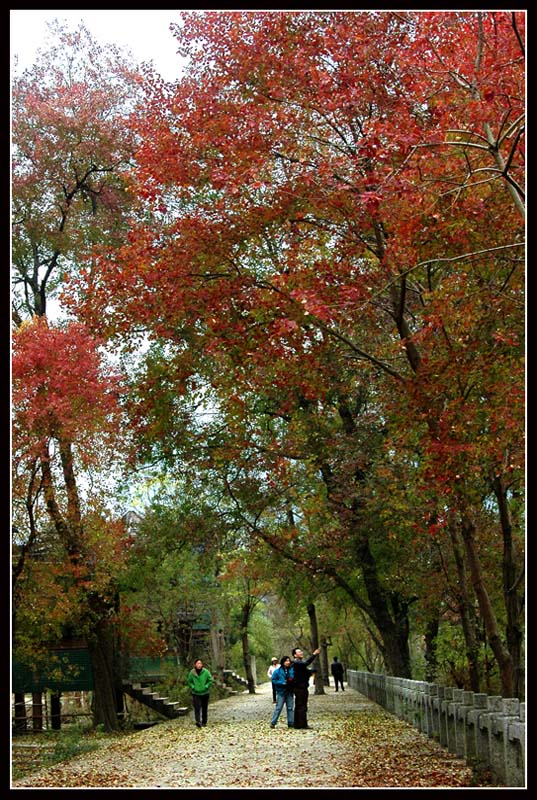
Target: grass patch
[[32, 752]]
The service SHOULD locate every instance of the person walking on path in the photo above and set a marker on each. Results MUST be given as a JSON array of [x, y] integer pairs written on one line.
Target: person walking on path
[[270, 670], [283, 681], [200, 681], [302, 676], [337, 673]]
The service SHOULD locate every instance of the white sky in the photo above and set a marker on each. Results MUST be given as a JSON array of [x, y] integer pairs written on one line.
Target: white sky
[[145, 33]]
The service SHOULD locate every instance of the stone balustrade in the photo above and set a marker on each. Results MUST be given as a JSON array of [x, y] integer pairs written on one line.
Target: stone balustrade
[[488, 732]]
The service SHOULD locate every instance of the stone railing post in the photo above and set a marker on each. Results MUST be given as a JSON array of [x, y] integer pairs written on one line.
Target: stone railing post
[[515, 760], [378, 691], [404, 698], [397, 696], [483, 730], [434, 712], [390, 700], [474, 748], [499, 736], [410, 700], [445, 698], [427, 710], [414, 695], [451, 719], [422, 706], [462, 726]]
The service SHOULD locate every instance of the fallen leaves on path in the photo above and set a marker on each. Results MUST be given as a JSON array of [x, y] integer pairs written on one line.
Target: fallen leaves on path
[[353, 743], [388, 752]]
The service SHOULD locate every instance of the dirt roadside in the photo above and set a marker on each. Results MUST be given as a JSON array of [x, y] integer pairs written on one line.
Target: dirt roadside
[[352, 743]]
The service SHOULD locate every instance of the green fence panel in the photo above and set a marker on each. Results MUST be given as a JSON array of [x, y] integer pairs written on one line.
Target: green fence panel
[[70, 671], [66, 671]]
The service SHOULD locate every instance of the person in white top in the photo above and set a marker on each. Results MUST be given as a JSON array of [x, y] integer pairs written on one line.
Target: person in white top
[[270, 670]]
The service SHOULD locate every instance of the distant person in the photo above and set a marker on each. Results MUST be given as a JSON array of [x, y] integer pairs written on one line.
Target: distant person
[[200, 680], [337, 673], [302, 676], [270, 670]]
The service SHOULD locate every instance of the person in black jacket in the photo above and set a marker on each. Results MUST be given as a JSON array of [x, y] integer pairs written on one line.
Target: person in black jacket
[[302, 676], [337, 673]]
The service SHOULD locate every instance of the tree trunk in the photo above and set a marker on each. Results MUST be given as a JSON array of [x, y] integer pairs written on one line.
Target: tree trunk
[[394, 630], [314, 631], [387, 610], [20, 712], [513, 571], [101, 638], [245, 618], [106, 680], [182, 634], [468, 617], [55, 711], [323, 658], [37, 711], [217, 645], [501, 654], [431, 663]]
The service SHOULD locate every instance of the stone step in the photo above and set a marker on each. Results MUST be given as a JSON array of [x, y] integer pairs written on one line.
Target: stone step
[[162, 705], [229, 675]]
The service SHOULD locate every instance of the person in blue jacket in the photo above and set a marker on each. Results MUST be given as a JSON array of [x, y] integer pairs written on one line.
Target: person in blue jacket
[[283, 679]]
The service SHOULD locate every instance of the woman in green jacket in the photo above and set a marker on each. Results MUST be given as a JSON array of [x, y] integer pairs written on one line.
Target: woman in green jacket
[[200, 681]]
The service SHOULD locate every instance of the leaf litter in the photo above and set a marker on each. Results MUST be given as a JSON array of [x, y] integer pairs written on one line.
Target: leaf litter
[[353, 743]]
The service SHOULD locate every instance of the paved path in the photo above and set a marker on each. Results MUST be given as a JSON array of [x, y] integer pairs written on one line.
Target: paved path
[[352, 743]]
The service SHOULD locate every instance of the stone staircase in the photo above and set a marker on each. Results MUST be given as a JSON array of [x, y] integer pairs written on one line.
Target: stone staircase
[[151, 699], [172, 710], [231, 678]]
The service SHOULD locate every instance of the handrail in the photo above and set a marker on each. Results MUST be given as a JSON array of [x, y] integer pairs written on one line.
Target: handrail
[[488, 732]]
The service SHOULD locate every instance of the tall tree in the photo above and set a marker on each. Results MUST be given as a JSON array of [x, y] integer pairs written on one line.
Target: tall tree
[[173, 579], [66, 420], [327, 219], [71, 149]]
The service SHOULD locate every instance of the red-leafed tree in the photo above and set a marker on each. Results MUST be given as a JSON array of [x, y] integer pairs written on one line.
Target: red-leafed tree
[[338, 207], [71, 149], [66, 422]]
